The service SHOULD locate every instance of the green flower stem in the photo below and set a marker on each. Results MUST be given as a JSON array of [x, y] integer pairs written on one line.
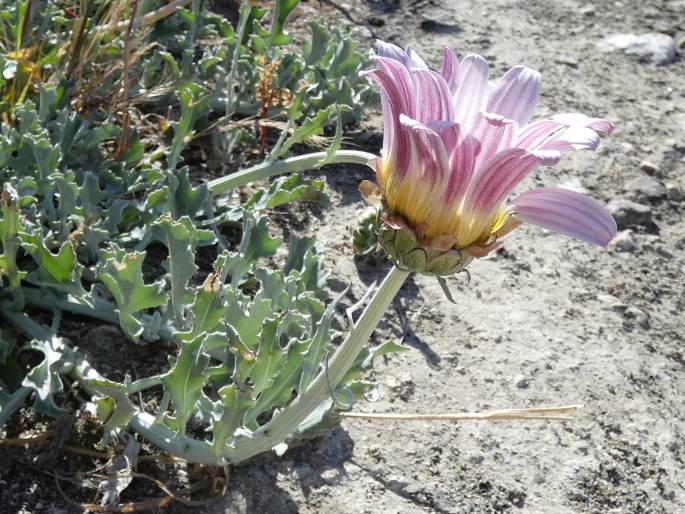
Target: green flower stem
[[291, 165]]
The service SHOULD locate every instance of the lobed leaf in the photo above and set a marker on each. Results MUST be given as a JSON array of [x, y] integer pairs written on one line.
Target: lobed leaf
[[122, 274], [114, 408], [255, 244], [184, 382], [180, 237], [45, 378]]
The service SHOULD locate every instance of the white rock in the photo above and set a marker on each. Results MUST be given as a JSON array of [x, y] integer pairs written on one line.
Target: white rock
[[628, 214], [651, 47], [625, 241]]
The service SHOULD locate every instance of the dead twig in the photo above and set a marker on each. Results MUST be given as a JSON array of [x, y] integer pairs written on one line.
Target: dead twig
[[137, 506], [20, 441]]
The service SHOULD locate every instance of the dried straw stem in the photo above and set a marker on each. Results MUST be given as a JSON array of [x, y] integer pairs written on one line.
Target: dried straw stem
[[146, 19], [536, 413]]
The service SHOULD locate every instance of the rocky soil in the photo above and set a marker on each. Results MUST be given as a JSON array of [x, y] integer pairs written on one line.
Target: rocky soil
[[545, 321]]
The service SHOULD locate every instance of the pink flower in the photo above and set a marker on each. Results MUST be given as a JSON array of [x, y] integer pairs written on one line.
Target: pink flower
[[455, 146]]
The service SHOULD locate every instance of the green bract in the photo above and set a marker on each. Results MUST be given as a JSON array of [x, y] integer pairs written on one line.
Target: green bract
[[409, 254]]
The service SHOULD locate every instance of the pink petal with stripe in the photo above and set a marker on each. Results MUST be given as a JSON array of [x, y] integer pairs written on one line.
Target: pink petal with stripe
[[461, 150], [433, 99], [472, 91], [395, 100], [498, 177], [450, 69], [391, 51], [534, 134], [429, 153], [516, 94], [396, 146], [494, 133], [567, 212], [396, 80], [582, 134], [573, 138], [571, 119], [415, 60]]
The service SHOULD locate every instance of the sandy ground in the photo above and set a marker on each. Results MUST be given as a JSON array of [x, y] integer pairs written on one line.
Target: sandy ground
[[546, 321]]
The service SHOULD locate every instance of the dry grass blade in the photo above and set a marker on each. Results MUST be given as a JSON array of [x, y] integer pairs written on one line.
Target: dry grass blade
[[535, 413]]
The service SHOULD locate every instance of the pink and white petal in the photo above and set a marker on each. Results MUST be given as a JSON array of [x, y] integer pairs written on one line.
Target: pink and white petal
[[516, 94], [573, 138], [395, 94], [494, 181], [396, 145], [391, 51], [433, 100], [571, 119], [448, 130], [461, 151], [534, 134], [462, 161], [429, 156], [567, 212], [397, 82], [415, 60], [552, 134], [450, 69], [472, 91], [548, 157], [494, 133]]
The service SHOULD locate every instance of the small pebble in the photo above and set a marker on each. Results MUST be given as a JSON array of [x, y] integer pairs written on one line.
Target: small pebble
[[674, 192], [625, 241], [588, 10], [638, 315], [647, 187], [665, 252], [612, 302], [568, 60], [521, 382], [649, 167], [629, 214]]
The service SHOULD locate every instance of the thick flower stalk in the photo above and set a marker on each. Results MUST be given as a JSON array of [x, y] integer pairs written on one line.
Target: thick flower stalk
[[455, 146]]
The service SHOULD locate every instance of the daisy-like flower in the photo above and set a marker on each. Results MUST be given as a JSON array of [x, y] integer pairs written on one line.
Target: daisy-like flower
[[454, 148]]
